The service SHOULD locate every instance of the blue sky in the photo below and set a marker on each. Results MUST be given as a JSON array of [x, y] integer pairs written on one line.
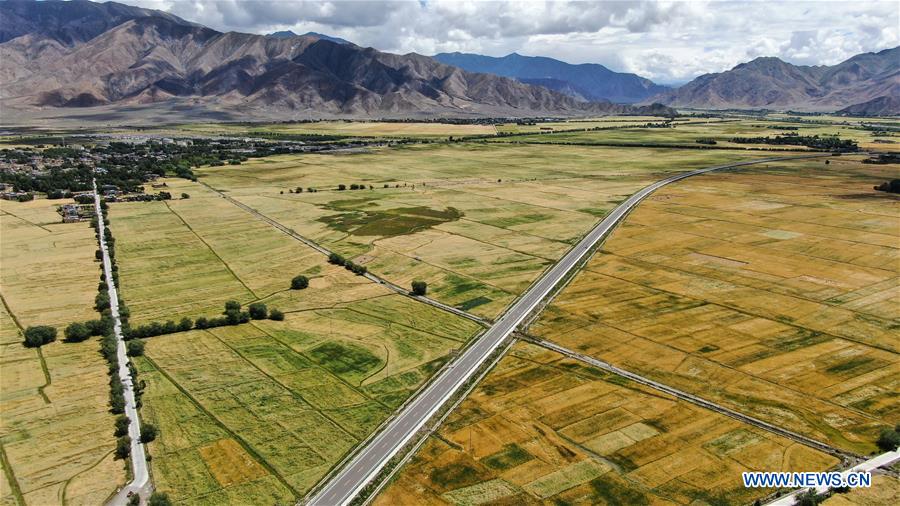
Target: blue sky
[[669, 42]]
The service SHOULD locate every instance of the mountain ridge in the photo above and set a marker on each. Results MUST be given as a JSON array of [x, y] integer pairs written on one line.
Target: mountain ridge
[[590, 81], [771, 83], [149, 59]]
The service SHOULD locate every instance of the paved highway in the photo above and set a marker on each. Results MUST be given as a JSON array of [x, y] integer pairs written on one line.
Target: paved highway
[[368, 462], [140, 483]]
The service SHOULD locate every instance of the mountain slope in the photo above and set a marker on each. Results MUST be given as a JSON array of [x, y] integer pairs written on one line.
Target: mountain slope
[[150, 59], [586, 81], [68, 23], [775, 84]]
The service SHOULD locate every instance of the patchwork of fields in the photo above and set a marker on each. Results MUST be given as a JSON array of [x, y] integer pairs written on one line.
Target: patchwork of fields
[[260, 412], [687, 133], [773, 291], [477, 222], [544, 429], [56, 433]]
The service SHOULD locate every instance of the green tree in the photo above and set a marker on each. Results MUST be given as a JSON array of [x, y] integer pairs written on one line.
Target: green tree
[[232, 305], [889, 439], [39, 335], [135, 348], [336, 259], [185, 324], [258, 311], [122, 423], [276, 315], [77, 332], [808, 498], [201, 323], [419, 287], [148, 432], [159, 499], [185, 196], [299, 282], [123, 447]]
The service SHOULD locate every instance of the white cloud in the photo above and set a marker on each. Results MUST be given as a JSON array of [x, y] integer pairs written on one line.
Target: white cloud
[[668, 41]]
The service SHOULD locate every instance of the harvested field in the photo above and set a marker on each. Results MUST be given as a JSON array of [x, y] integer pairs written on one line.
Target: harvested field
[[56, 433], [477, 222], [259, 412], [884, 490], [544, 429], [772, 290]]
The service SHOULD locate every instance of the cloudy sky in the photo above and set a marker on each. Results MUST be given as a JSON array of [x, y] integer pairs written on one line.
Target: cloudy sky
[[669, 42]]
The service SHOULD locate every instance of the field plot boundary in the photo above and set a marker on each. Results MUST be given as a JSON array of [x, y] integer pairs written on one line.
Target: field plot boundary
[[699, 401]]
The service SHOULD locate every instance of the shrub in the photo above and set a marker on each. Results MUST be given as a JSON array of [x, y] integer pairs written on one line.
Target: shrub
[[299, 282], [201, 323], [135, 348], [77, 332], [39, 335], [276, 315], [419, 287], [257, 311], [185, 196]]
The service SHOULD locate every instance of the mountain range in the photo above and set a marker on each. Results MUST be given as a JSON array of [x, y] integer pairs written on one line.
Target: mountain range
[[76, 56], [867, 83], [84, 54], [587, 81]]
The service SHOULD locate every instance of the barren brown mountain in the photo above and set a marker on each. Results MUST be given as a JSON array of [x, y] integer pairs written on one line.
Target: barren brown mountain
[[771, 83], [82, 54]]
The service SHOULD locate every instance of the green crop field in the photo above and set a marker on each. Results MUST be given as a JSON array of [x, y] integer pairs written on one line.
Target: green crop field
[[56, 432], [477, 222], [261, 411], [542, 429], [773, 290]]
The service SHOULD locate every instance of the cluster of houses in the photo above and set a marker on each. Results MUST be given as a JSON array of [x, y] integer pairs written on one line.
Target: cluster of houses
[[72, 213]]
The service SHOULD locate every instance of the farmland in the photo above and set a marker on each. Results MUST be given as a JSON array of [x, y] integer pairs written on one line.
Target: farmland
[[771, 290], [55, 428], [477, 222], [544, 429], [260, 412], [339, 128], [687, 133]]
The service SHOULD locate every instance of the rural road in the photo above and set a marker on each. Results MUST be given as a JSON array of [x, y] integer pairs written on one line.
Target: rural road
[[327, 252], [369, 461], [140, 482], [885, 459]]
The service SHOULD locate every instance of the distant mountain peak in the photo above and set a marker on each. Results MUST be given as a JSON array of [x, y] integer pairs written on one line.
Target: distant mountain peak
[[286, 34], [768, 82], [586, 81]]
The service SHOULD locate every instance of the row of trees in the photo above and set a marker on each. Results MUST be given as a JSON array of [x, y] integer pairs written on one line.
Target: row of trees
[[232, 315], [357, 269], [824, 143]]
